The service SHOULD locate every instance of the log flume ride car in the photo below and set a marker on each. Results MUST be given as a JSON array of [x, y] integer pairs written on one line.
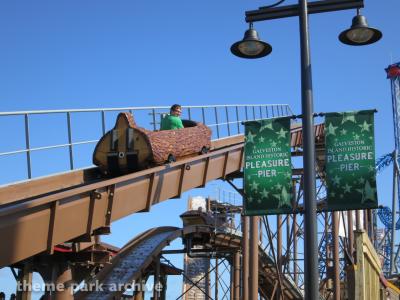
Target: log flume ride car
[[129, 148]]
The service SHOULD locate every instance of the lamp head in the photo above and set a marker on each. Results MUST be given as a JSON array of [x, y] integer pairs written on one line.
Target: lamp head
[[360, 33], [251, 46]]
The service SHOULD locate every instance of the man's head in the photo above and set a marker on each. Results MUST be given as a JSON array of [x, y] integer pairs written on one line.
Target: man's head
[[176, 110]]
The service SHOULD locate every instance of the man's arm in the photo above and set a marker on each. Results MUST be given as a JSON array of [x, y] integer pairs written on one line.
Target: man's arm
[[178, 123]]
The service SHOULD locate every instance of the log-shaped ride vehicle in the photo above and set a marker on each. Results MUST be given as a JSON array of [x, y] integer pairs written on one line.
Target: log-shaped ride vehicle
[[129, 148]]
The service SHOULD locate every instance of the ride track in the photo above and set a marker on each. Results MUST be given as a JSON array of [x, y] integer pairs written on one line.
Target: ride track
[[39, 214], [131, 265]]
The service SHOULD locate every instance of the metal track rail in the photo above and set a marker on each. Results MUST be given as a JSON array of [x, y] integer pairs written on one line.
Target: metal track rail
[[130, 264]]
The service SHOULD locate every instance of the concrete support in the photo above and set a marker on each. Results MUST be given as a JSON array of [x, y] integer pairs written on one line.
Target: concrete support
[[253, 274], [196, 270]]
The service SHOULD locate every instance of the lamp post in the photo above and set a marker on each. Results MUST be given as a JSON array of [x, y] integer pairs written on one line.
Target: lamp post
[[252, 47]]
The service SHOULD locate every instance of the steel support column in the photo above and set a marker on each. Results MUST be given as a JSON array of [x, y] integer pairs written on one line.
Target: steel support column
[[279, 251], [156, 291], [336, 263], [279, 243], [245, 258], [253, 259], [365, 220], [372, 224], [232, 280], [358, 220], [350, 232], [216, 279], [163, 280], [24, 282], [328, 247], [295, 269], [236, 275], [288, 241], [394, 216]]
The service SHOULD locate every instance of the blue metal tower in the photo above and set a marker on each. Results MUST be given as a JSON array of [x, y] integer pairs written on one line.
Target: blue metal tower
[[387, 215]]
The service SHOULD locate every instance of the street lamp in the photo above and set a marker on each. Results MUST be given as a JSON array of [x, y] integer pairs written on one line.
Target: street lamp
[[252, 47], [360, 33]]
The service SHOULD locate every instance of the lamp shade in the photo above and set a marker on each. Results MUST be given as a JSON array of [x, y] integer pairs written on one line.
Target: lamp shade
[[360, 33], [251, 46]]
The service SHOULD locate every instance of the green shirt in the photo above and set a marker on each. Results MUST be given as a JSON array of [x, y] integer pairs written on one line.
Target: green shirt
[[171, 122]]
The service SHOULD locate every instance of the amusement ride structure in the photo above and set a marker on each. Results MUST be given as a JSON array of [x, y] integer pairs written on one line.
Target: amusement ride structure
[[389, 217], [52, 225]]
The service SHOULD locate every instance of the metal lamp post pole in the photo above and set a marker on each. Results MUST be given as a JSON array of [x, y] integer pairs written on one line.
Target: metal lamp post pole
[[303, 9], [310, 242]]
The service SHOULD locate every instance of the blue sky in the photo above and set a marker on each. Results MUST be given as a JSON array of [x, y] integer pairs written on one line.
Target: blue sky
[[90, 54]]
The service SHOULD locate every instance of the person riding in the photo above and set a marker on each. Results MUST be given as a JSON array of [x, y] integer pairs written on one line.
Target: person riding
[[172, 120]]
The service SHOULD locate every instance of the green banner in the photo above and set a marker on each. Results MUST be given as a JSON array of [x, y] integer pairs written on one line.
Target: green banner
[[350, 160], [268, 167]]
